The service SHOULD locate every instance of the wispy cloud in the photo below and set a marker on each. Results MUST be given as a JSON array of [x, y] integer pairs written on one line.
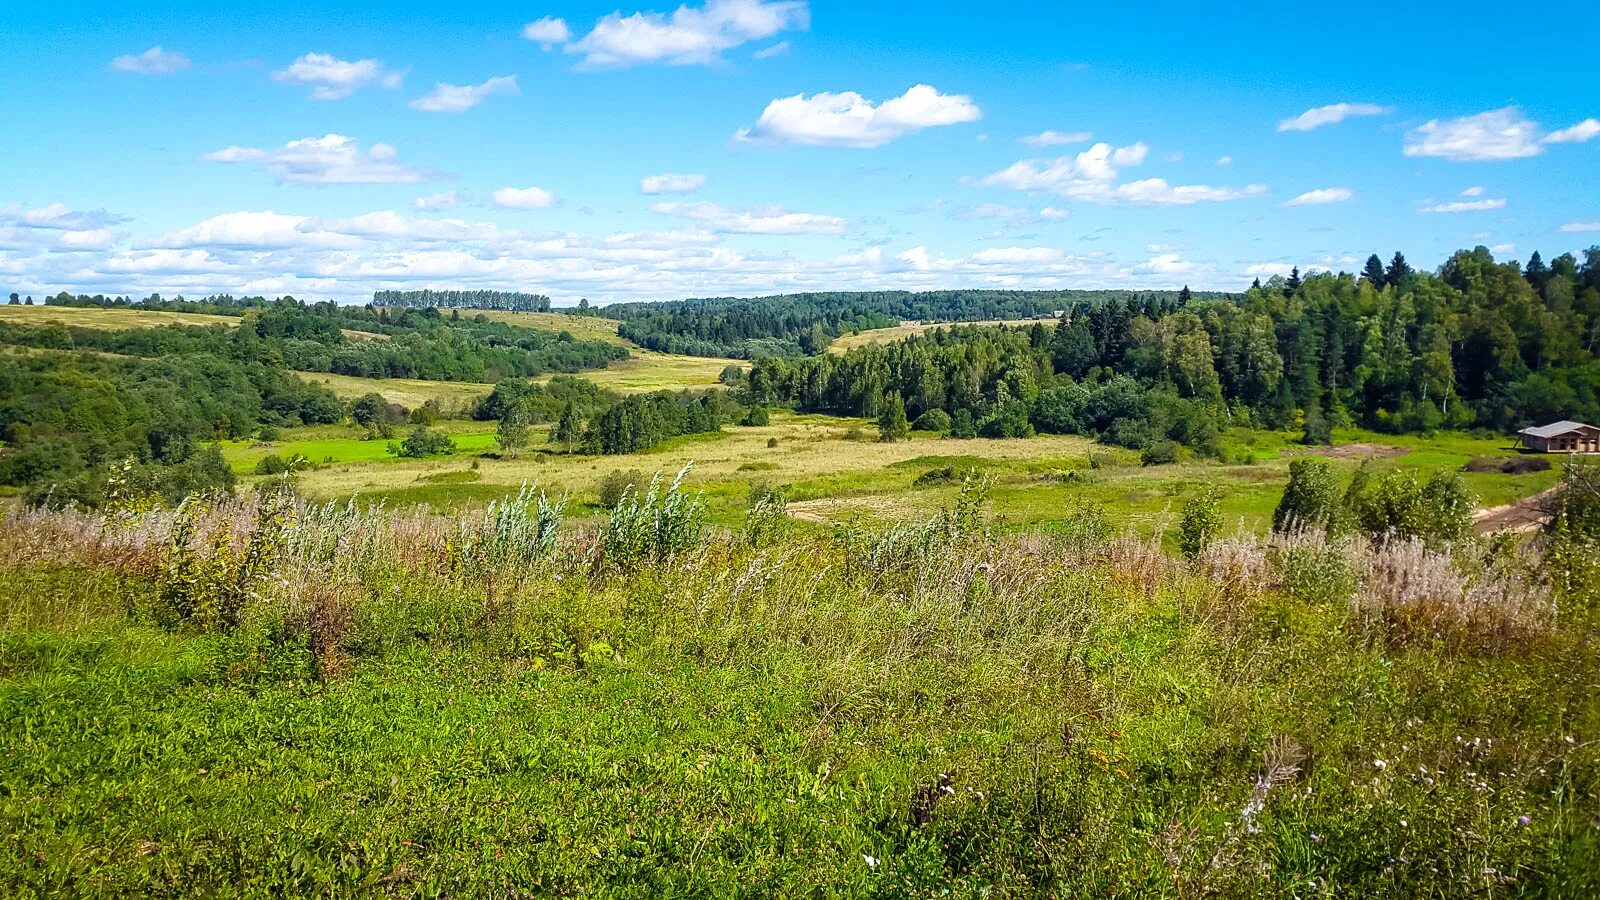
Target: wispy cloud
[[672, 183], [1049, 138], [1332, 114], [454, 98], [1322, 196], [759, 220], [154, 61]]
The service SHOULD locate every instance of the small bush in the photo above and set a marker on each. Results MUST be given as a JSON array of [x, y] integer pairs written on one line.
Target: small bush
[[1160, 453], [615, 485], [1201, 522], [424, 442], [935, 420], [756, 417]]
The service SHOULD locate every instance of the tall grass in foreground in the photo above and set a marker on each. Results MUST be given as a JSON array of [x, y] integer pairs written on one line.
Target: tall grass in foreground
[[404, 702]]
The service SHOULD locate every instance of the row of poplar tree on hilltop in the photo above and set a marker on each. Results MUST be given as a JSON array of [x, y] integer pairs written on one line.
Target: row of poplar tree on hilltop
[[1476, 344]]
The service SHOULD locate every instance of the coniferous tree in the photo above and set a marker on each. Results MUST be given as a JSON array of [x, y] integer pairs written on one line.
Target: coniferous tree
[[1537, 273], [1399, 270], [1184, 297], [1373, 273], [1292, 285]]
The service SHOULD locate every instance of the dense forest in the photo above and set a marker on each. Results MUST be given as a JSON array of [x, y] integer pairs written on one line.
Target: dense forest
[[514, 301], [804, 324], [80, 405], [76, 425], [348, 340], [1478, 343]]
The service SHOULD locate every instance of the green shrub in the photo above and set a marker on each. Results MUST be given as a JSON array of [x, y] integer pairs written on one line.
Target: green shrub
[[1312, 498], [1201, 522], [424, 442], [615, 485], [1159, 453], [756, 417], [935, 420]]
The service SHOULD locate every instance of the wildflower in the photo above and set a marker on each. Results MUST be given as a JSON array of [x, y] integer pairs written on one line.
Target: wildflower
[[1316, 837], [1380, 765], [871, 861], [1523, 820]]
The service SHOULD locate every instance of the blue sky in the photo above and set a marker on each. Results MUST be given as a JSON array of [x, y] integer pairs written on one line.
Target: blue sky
[[759, 146]]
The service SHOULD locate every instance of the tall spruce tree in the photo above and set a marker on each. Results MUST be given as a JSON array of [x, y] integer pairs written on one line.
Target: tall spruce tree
[[1373, 273], [1399, 270]]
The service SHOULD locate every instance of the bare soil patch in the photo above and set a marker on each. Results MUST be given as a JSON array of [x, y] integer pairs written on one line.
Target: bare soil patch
[[1358, 451]]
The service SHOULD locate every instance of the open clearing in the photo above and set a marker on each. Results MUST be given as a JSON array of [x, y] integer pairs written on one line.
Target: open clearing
[[847, 342], [584, 328], [107, 319], [836, 472], [408, 392]]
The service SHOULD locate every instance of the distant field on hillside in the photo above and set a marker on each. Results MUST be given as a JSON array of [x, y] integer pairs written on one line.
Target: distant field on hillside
[[847, 342], [107, 319], [408, 392], [589, 328], [651, 371]]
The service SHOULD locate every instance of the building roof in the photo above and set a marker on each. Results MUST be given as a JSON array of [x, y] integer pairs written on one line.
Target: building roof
[[1554, 429]]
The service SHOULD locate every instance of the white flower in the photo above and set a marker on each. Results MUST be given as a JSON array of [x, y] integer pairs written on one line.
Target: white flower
[[871, 861], [1380, 765]]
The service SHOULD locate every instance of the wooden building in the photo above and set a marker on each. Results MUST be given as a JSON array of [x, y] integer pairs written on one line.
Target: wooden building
[[1561, 437]]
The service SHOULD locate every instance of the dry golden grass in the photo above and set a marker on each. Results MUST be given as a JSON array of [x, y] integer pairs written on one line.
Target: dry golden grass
[[810, 448], [588, 328], [106, 319], [410, 392], [849, 342]]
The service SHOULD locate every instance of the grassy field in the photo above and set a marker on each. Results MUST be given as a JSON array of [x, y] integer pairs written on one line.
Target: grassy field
[[336, 445], [847, 342], [831, 478], [970, 715], [584, 328], [408, 392], [107, 319]]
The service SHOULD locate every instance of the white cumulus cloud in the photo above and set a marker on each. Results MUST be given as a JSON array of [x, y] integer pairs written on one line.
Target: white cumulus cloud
[[758, 220], [454, 98], [1494, 135], [850, 120], [672, 183], [688, 36], [1580, 227], [524, 198], [330, 159], [1321, 196], [1091, 176], [1332, 114], [331, 78], [548, 32], [154, 61]]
